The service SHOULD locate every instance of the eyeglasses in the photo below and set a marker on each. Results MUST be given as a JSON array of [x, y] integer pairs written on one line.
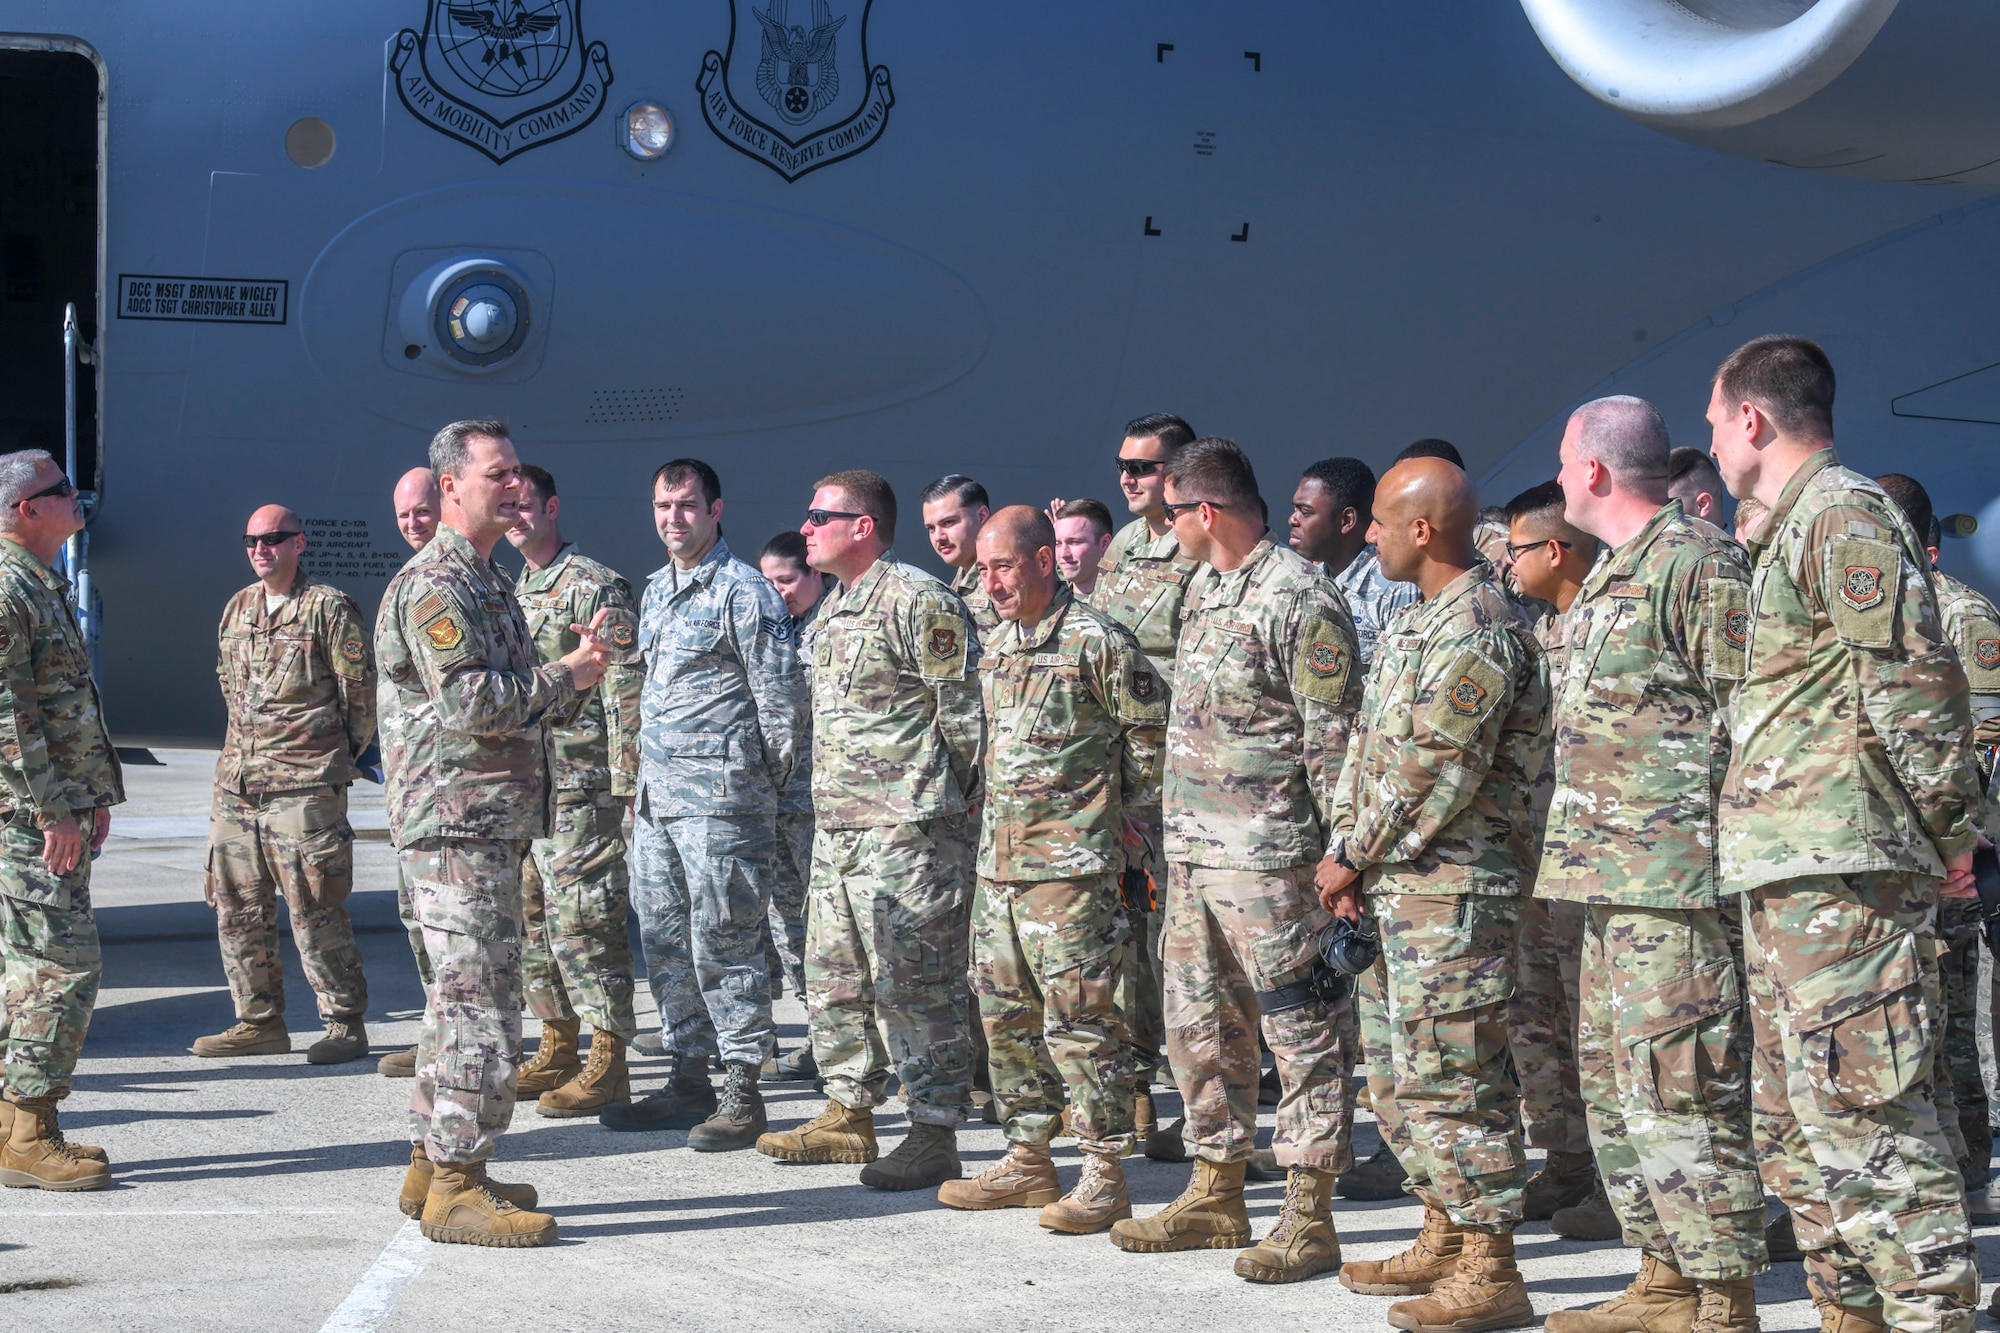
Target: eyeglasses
[[1139, 467], [1514, 549], [252, 540], [63, 489], [1175, 511], [819, 518]]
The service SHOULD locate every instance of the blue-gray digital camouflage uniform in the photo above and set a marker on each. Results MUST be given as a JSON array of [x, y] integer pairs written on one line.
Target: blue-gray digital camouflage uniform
[[1434, 809], [56, 762], [898, 739], [1851, 779], [720, 721], [298, 685], [576, 952], [463, 702], [1656, 644], [792, 870]]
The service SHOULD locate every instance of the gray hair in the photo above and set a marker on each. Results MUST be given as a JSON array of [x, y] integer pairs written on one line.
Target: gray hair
[[17, 480], [450, 446], [1628, 435]]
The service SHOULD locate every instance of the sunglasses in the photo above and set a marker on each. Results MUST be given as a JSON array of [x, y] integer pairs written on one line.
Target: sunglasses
[[274, 539], [1175, 511], [1139, 467], [1514, 549], [63, 489], [819, 518]]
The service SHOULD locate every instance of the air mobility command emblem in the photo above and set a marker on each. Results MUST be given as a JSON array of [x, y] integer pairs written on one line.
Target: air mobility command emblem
[[1987, 653], [501, 75], [1862, 587], [808, 97]]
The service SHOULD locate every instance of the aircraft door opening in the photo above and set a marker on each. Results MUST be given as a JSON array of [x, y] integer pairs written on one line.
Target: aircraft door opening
[[50, 233]]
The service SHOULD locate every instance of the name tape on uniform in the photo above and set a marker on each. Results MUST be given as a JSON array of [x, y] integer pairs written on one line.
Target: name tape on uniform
[[207, 300]]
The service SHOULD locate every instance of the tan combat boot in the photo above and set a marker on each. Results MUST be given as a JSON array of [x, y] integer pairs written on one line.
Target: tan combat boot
[[88, 1151], [1145, 1119], [1659, 1300], [36, 1157], [398, 1064], [1484, 1292], [267, 1038], [1024, 1178], [1303, 1244], [463, 1208], [1564, 1181], [1430, 1260], [834, 1135], [556, 1059], [927, 1156], [417, 1186], [1098, 1200], [603, 1081], [1728, 1307], [1209, 1215]]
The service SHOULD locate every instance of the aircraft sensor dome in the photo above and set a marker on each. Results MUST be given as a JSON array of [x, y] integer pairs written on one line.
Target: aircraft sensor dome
[[1887, 89]]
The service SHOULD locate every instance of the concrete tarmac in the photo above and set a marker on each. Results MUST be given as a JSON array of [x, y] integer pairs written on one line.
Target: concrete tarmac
[[260, 1193]]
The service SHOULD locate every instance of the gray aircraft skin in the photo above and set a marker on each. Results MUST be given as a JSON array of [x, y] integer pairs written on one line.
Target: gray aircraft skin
[[925, 238]]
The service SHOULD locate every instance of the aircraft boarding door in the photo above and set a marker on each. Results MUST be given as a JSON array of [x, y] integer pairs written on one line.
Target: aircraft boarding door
[[51, 237]]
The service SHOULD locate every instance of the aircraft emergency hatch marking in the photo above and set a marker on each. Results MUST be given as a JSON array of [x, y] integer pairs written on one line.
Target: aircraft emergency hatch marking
[[1151, 230], [799, 76], [1160, 50], [1256, 59], [1243, 235], [477, 60], [209, 300]]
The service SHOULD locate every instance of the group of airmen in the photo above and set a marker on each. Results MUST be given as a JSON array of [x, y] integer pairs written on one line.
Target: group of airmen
[[1577, 824]]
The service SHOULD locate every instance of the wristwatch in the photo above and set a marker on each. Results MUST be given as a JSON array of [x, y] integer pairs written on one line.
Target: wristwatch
[[1338, 851]]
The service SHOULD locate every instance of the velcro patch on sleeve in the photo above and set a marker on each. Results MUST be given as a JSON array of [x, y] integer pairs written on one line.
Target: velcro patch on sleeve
[[942, 646], [1325, 662], [1979, 651], [442, 626], [1728, 627], [1466, 695], [1142, 695], [1864, 580], [350, 655], [620, 632]]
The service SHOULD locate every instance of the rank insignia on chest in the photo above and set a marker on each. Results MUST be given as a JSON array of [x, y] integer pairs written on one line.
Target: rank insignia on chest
[[944, 642], [1986, 652], [352, 651], [1736, 627], [1324, 658], [1862, 587], [1466, 696], [444, 634]]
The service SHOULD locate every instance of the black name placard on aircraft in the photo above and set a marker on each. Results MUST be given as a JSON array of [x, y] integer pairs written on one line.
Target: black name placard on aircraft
[[211, 300]]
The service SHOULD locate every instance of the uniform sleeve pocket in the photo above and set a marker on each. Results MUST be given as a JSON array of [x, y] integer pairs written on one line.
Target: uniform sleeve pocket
[[1863, 1026]]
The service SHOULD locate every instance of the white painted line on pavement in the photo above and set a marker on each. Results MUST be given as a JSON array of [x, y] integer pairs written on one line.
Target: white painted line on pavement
[[374, 1296], [180, 1212]]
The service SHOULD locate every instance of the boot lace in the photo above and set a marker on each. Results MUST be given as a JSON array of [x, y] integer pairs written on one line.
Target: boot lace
[[53, 1136], [736, 1090], [1292, 1214]]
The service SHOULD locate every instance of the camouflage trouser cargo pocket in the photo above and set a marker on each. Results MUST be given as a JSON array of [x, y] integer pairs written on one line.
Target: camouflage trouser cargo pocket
[[460, 1071], [1493, 1155], [326, 866], [1082, 986], [23, 875], [1284, 954], [1864, 1027], [1665, 1031]]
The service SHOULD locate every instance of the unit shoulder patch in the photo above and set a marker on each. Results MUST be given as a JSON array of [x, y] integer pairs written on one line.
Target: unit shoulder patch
[[1325, 662], [444, 633], [1979, 653], [942, 647], [1863, 582], [1728, 628], [1468, 692]]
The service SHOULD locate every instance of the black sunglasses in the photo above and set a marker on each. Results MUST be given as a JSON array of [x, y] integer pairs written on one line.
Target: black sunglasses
[[1139, 467], [254, 539], [63, 489], [1514, 549], [1175, 511], [819, 518]]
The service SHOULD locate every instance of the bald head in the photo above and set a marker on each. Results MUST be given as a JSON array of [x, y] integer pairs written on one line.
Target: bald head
[[274, 541], [1017, 562], [1425, 510], [274, 518], [416, 499]]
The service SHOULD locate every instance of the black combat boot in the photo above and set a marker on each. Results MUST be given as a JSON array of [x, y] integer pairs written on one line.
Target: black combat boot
[[685, 1101], [738, 1118]]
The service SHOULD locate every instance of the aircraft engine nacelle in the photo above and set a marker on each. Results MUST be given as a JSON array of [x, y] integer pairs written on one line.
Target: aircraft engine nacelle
[[1897, 90]]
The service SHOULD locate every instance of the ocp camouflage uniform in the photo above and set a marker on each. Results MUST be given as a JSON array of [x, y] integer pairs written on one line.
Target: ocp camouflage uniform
[[723, 711], [1851, 780], [898, 736], [1434, 808], [56, 762], [965, 582], [576, 954], [1542, 1015], [1972, 627], [298, 684], [792, 868], [1143, 583], [1074, 716], [1267, 692], [464, 702], [1657, 641]]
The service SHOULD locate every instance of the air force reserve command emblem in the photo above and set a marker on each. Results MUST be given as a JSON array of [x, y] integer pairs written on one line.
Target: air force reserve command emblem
[[794, 89], [502, 75]]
